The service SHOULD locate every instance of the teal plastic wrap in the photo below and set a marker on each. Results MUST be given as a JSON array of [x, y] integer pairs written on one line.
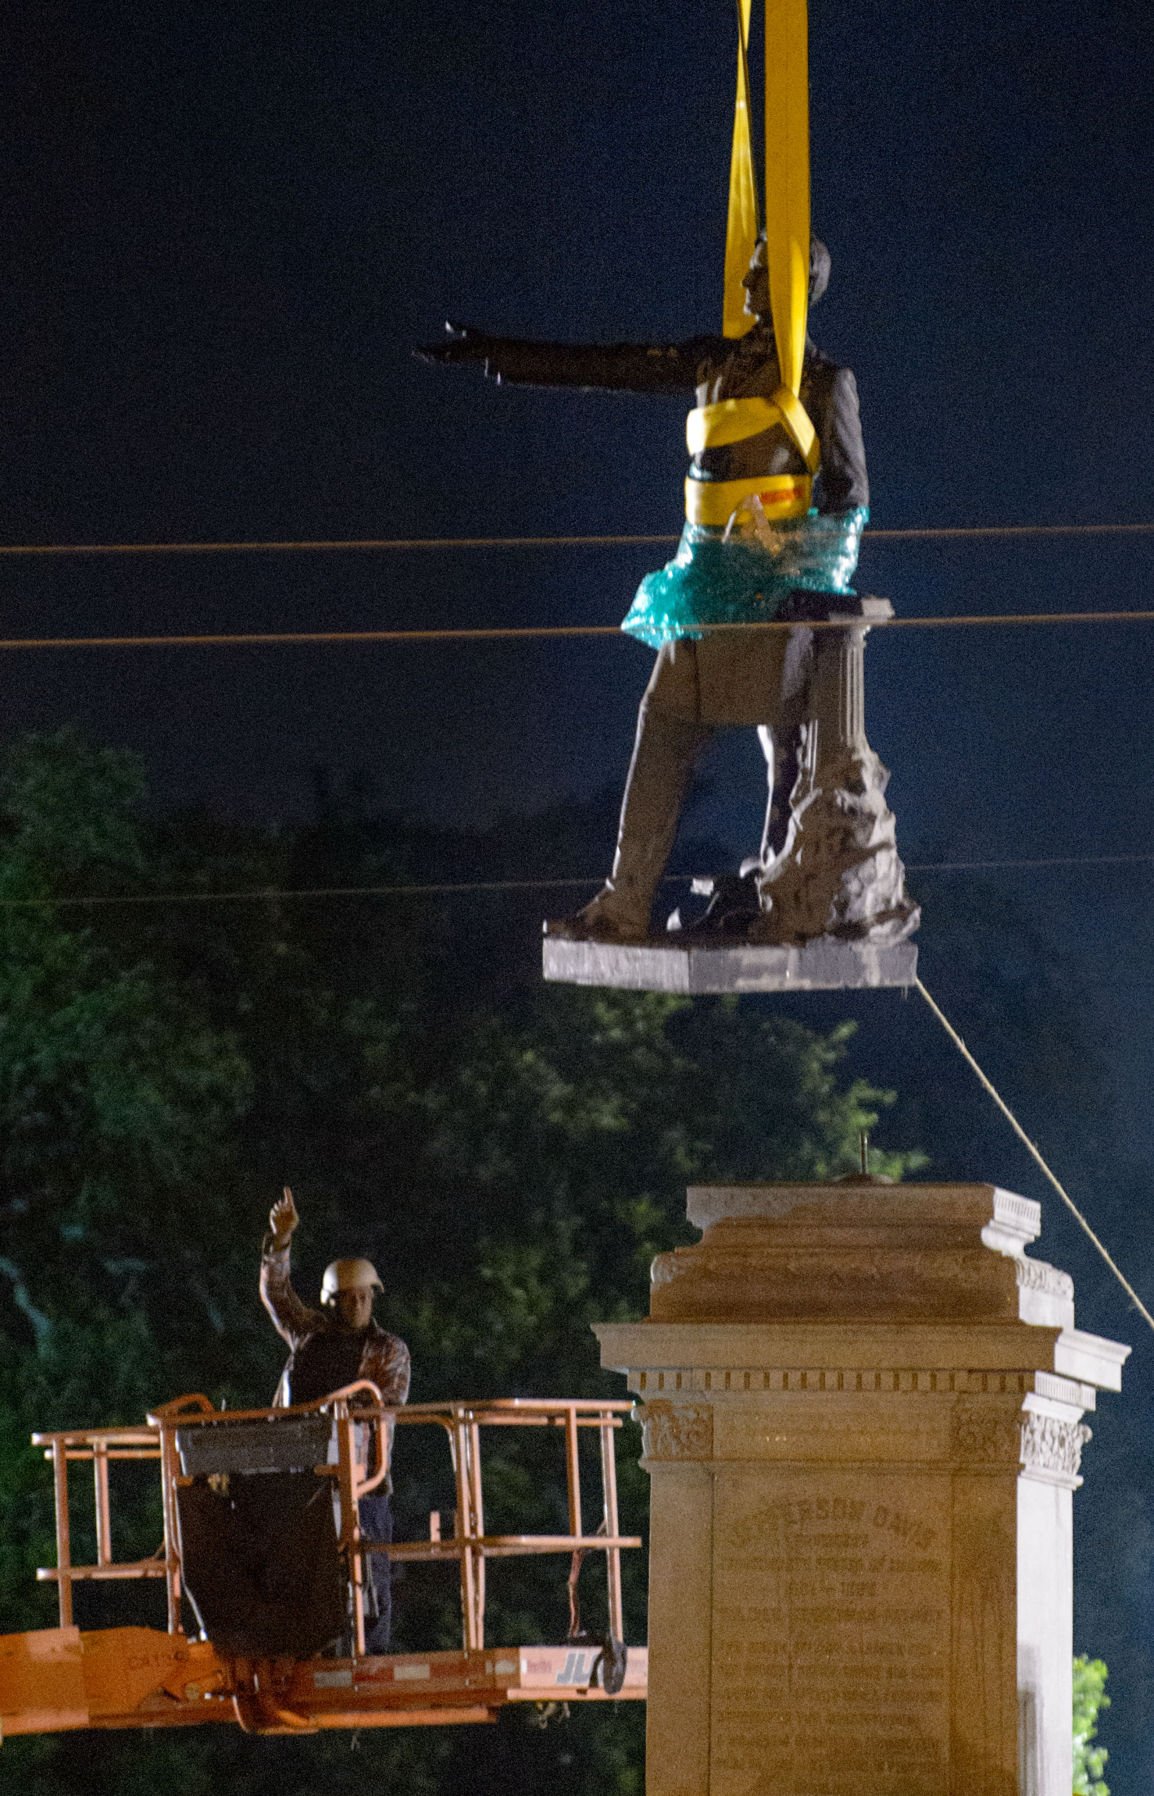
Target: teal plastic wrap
[[712, 581]]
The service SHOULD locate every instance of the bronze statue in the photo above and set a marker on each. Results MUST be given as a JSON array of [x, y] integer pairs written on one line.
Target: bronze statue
[[754, 548]]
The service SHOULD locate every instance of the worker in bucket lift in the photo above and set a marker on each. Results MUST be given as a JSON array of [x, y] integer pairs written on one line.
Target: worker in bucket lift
[[331, 1347]]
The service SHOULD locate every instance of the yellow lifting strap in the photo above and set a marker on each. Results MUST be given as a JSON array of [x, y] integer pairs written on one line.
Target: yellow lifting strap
[[787, 232], [741, 227], [787, 228], [713, 502], [734, 420]]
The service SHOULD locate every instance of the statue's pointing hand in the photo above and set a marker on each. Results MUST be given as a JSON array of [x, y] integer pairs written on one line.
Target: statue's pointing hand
[[462, 344], [283, 1219]]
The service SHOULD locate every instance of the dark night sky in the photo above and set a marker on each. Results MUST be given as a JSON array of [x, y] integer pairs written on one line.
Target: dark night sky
[[231, 223], [227, 224]]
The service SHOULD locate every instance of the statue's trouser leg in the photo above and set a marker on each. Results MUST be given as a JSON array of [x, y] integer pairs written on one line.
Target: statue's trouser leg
[[782, 759], [663, 757], [782, 743]]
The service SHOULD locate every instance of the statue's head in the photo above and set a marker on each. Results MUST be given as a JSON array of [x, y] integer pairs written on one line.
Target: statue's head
[[756, 279], [818, 269]]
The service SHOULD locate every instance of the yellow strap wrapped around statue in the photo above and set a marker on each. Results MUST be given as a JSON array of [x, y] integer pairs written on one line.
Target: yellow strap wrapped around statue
[[742, 224], [735, 420], [713, 502]]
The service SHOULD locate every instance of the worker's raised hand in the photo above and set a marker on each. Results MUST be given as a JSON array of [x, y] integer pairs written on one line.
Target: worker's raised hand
[[282, 1219], [462, 344]]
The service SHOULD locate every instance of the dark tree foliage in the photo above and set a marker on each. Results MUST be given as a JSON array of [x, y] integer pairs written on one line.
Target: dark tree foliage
[[511, 1156]]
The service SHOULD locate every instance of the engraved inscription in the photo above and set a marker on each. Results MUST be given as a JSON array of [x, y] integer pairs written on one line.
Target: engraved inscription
[[830, 1637]]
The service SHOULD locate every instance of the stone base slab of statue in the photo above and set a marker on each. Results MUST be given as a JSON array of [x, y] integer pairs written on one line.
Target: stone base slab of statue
[[862, 1413], [669, 965]]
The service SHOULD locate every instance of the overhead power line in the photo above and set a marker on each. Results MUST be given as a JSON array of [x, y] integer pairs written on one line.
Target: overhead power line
[[337, 546], [380, 544], [527, 632], [1036, 1153], [469, 887], [1050, 860], [274, 894]]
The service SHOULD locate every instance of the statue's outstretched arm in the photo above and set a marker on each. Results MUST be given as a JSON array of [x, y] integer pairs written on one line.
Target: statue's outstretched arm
[[618, 367]]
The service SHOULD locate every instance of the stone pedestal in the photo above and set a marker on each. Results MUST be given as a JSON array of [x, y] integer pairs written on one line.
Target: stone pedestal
[[862, 1410]]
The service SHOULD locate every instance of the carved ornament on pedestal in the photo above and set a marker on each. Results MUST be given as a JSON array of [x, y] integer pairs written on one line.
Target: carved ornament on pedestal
[[675, 1430], [1054, 1447], [982, 1433]]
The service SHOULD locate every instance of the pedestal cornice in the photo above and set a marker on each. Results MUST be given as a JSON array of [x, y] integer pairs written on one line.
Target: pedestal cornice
[[687, 1348]]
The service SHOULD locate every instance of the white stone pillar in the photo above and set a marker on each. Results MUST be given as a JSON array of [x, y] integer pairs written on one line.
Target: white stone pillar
[[862, 1419]]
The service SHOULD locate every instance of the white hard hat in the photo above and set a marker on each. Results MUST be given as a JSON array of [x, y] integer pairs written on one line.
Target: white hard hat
[[348, 1275]]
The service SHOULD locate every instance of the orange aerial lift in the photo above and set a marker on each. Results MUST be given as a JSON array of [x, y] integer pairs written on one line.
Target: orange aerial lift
[[270, 1665]]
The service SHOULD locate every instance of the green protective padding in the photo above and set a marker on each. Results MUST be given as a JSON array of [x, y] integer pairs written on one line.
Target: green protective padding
[[742, 581]]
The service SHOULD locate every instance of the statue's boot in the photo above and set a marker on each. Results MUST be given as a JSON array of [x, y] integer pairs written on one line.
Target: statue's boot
[[663, 757], [734, 906]]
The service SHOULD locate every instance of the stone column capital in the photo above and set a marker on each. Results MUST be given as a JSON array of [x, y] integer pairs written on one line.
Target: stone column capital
[[675, 1430]]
